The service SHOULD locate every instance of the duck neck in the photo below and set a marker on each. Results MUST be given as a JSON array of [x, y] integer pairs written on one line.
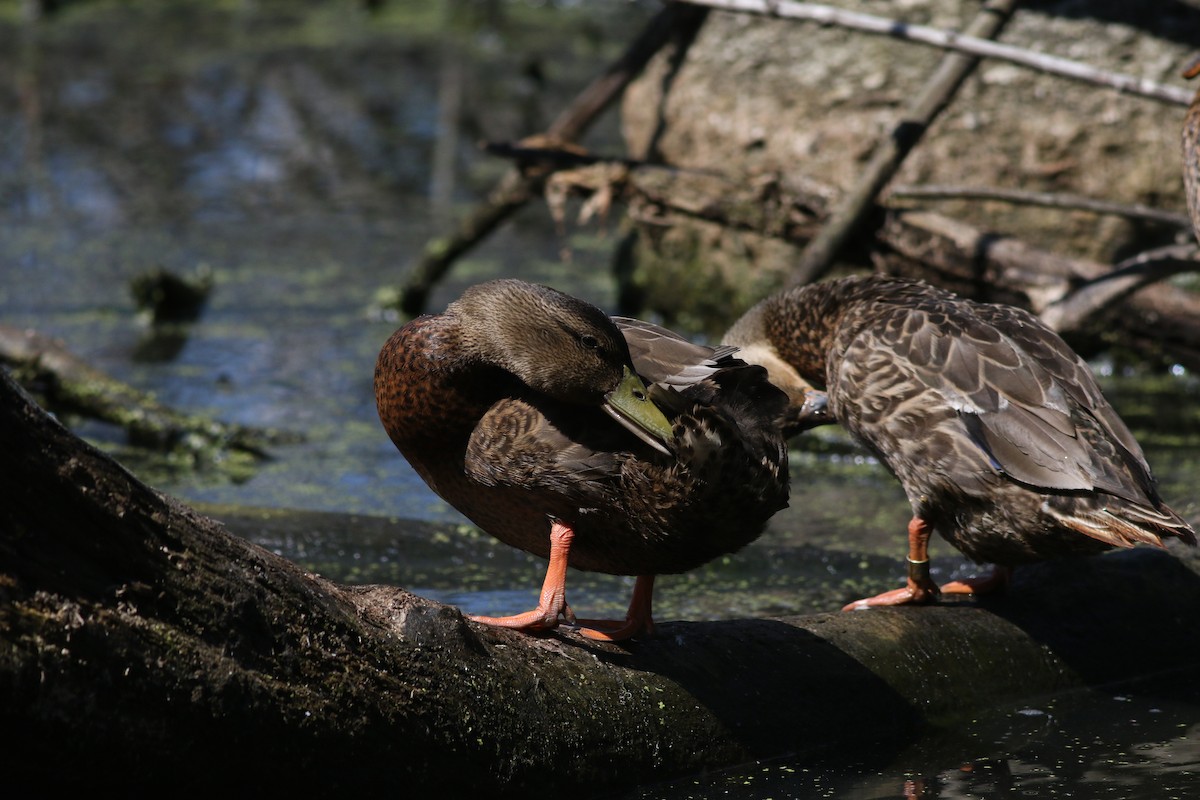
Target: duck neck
[[801, 324]]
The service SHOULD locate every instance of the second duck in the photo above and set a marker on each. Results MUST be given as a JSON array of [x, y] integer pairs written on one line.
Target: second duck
[[997, 431]]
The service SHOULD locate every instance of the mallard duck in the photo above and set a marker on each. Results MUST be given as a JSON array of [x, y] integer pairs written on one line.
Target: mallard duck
[[997, 431], [607, 444]]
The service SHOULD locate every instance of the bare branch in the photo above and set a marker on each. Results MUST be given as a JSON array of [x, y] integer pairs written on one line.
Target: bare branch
[[1105, 291], [1050, 200], [949, 40]]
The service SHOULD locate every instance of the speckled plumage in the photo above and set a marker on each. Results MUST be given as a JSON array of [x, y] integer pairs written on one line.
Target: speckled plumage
[[997, 431], [458, 393]]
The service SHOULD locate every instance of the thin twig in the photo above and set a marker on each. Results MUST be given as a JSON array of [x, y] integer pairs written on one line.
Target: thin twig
[[1049, 200], [949, 40], [890, 152]]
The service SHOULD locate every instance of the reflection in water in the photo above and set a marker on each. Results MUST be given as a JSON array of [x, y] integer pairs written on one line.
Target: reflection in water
[[1130, 745], [303, 154]]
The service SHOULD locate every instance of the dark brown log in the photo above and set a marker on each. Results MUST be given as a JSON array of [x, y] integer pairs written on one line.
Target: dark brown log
[[143, 647]]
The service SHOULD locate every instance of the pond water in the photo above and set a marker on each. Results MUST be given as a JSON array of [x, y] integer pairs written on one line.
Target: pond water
[[301, 154]]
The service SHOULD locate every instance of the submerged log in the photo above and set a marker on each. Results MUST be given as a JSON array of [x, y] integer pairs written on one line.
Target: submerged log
[[71, 385], [143, 646]]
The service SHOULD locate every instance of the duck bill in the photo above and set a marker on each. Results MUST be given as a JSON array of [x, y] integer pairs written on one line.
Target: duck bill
[[630, 405], [816, 408]]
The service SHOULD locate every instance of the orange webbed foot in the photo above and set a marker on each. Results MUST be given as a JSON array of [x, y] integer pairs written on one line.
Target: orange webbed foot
[[996, 582], [542, 618], [552, 604], [920, 588], [909, 595], [638, 620]]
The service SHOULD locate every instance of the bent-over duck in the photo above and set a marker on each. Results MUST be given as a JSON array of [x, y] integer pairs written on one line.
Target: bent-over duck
[[607, 444], [995, 428]]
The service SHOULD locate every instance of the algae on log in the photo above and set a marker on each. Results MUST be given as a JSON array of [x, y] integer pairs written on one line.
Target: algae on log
[[143, 646], [71, 384]]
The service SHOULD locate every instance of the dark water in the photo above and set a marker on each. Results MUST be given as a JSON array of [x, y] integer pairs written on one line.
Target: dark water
[[301, 155], [1123, 745]]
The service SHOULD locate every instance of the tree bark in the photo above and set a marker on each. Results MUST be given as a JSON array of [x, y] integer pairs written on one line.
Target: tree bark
[[144, 647]]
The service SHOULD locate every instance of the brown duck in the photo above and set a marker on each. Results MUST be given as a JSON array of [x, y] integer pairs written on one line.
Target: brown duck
[[997, 431], [606, 444]]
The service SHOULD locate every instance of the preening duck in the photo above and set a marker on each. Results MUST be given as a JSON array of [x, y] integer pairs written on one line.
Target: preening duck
[[606, 444], [995, 428]]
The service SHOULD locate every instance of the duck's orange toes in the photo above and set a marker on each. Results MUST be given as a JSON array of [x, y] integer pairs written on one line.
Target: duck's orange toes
[[638, 620], [909, 595], [603, 630], [997, 581], [539, 619]]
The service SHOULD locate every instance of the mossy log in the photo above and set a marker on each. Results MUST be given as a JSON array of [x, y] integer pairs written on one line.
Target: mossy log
[[73, 386], [144, 647]]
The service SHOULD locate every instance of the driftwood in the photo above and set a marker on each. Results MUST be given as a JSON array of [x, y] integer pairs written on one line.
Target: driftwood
[[144, 647], [71, 385], [1136, 211], [1068, 293]]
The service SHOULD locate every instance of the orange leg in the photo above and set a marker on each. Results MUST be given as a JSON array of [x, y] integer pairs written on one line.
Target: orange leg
[[996, 582], [553, 601], [637, 620], [920, 588]]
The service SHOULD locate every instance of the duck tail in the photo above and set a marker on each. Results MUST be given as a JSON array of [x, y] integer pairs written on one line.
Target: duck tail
[[1121, 523]]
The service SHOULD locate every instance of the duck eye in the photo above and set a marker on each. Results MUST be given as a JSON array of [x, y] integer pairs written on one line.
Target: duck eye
[[589, 341]]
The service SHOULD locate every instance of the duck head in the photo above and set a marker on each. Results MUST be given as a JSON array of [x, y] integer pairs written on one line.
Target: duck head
[[561, 347]]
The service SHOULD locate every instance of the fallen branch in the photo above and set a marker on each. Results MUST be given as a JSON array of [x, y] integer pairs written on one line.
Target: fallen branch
[[949, 40], [891, 150], [139, 639], [1070, 202], [71, 385], [1103, 292]]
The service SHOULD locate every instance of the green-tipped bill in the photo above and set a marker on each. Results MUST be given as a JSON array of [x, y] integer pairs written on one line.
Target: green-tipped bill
[[630, 405]]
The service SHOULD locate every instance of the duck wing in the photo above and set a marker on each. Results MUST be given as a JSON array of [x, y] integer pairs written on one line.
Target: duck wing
[[1117, 465], [664, 357], [547, 447], [1024, 398]]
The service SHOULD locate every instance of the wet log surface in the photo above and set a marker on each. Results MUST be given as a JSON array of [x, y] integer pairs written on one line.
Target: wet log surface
[[144, 646]]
